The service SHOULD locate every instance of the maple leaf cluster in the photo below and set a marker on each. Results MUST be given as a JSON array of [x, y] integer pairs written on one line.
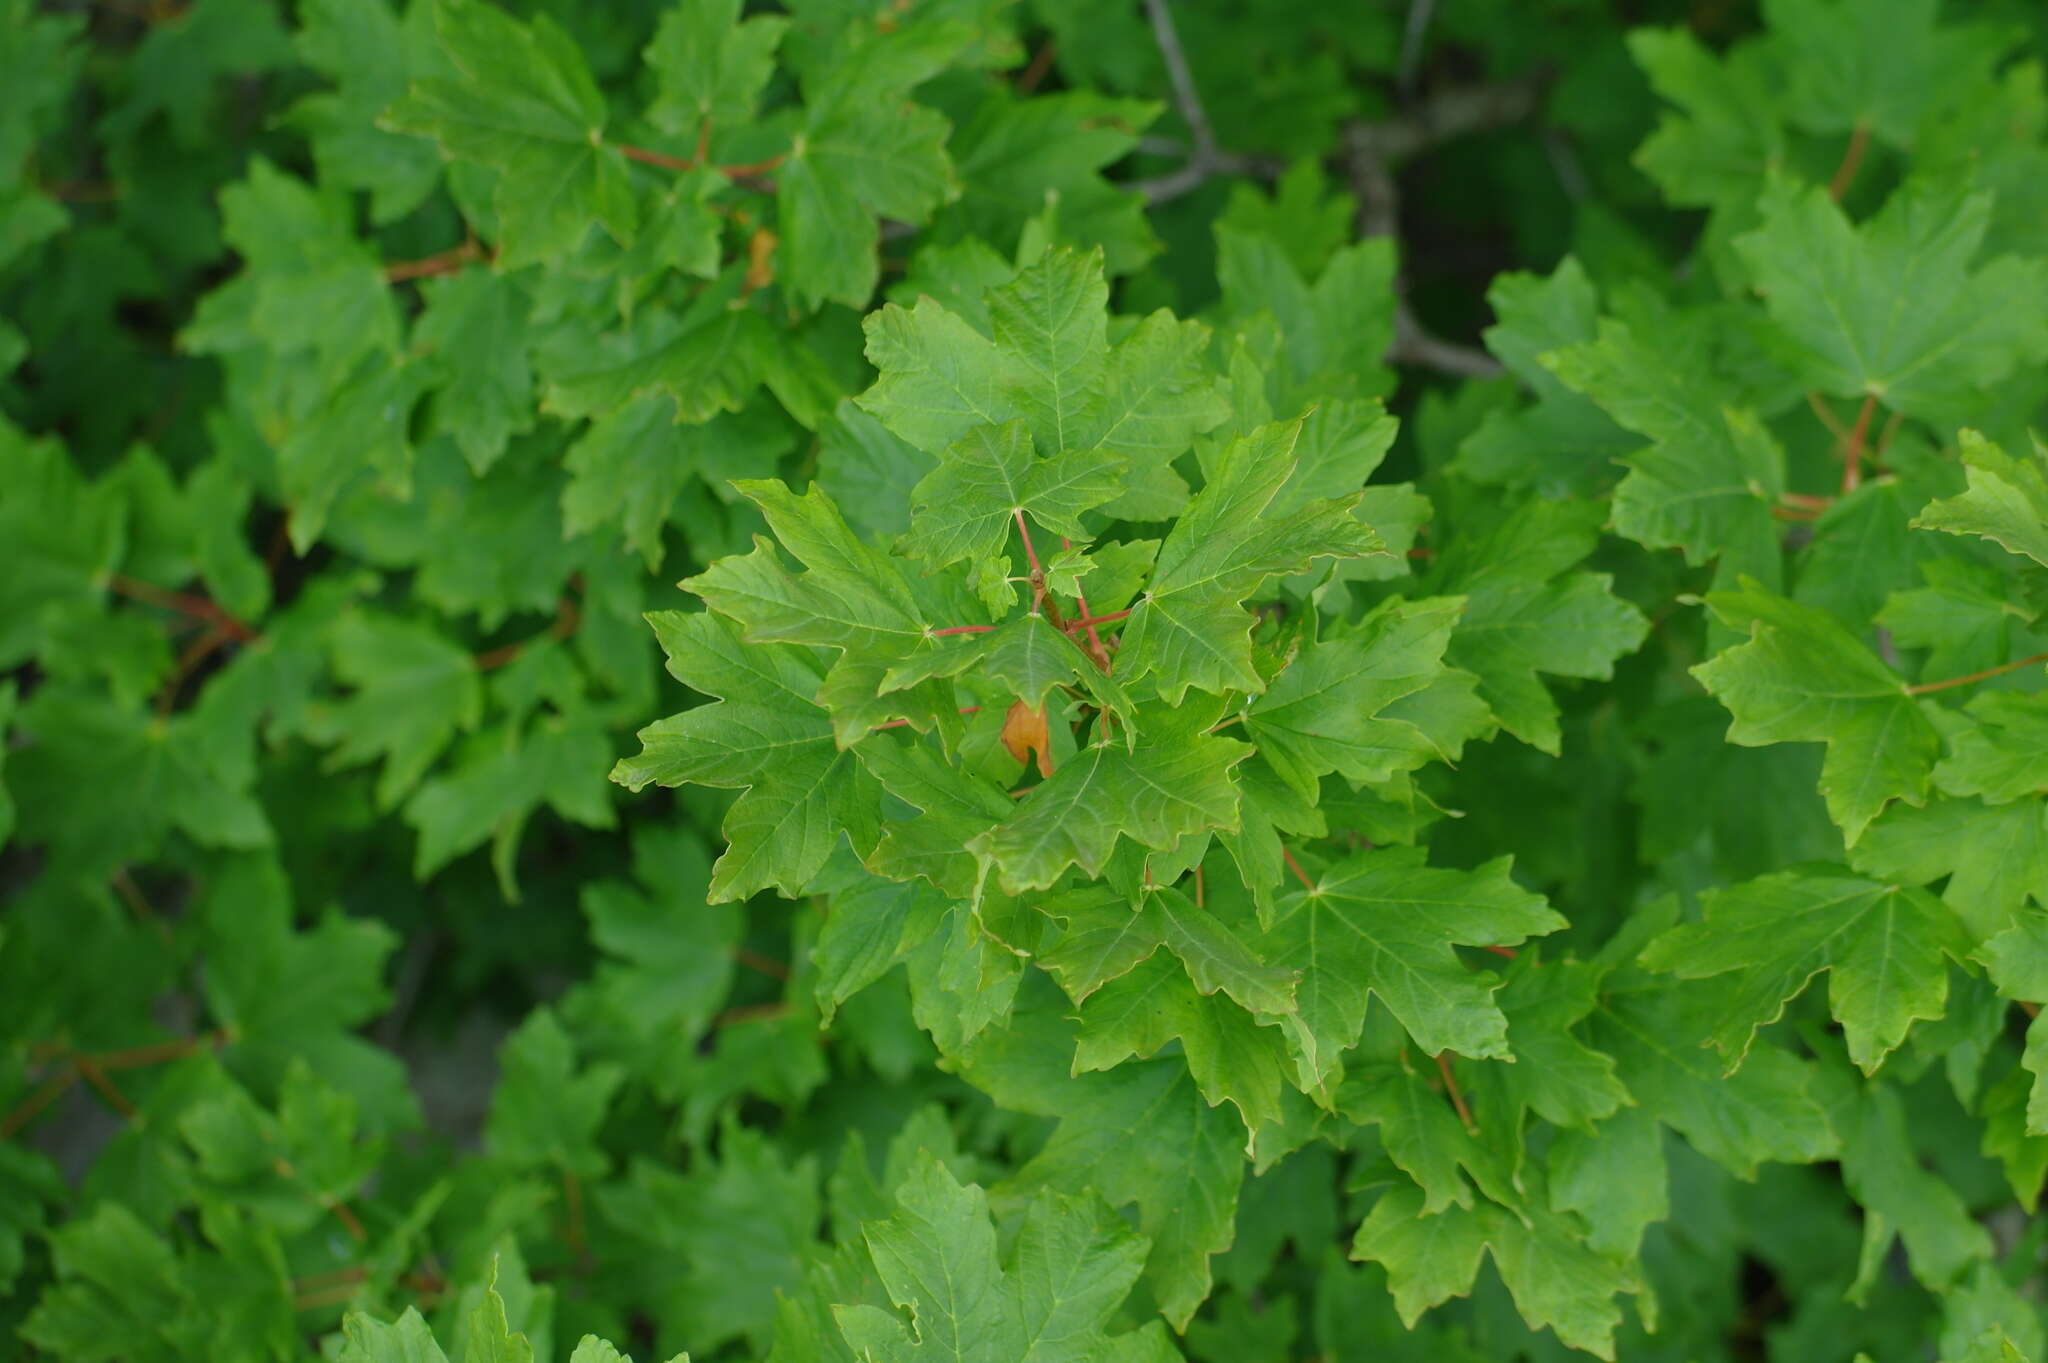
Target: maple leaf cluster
[[1199, 817]]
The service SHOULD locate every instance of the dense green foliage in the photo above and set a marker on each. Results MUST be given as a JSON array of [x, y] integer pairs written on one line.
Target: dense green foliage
[[1302, 630]]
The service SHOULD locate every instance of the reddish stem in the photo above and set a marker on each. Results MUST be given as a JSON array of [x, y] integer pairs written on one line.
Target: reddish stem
[[136, 1056], [1925, 687], [1852, 161], [1827, 416], [1095, 648], [198, 607], [572, 1198], [962, 629], [1041, 63], [25, 1111], [647, 156], [754, 960], [443, 262], [349, 1221], [1031, 555], [1295, 866], [196, 652], [1092, 621], [1443, 1064], [1508, 952], [1852, 450], [97, 1077]]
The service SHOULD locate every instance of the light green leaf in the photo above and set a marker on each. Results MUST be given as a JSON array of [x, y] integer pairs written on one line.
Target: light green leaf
[[1802, 678], [1190, 627], [2006, 501], [1894, 309], [1174, 780], [1882, 945], [1384, 923], [523, 103], [967, 506], [766, 737]]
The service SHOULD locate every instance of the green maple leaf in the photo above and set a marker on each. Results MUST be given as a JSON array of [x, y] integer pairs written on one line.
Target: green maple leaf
[[1708, 480], [1140, 1133], [1042, 355], [503, 776], [1556, 1280], [1173, 780], [710, 65], [1882, 946], [544, 1112], [309, 284], [1883, 1171], [1614, 1177], [1383, 923], [1323, 713], [297, 995], [765, 737], [1881, 67], [2005, 756], [414, 691], [284, 1169], [1657, 1032], [2014, 959], [1964, 618], [1994, 856], [1106, 936], [1729, 137], [1565, 444], [68, 533], [1423, 1135], [629, 467], [1803, 678], [1049, 1299], [1555, 1074], [121, 1291], [1027, 657], [864, 151], [1894, 309], [1190, 626], [1526, 614], [473, 335], [954, 807], [713, 1248], [2006, 501], [103, 783], [852, 597], [522, 102], [174, 70], [40, 54], [1015, 154], [366, 1339], [1335, 333], [967, 506], [710, 359], [370, 55], [1231, 1055]]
